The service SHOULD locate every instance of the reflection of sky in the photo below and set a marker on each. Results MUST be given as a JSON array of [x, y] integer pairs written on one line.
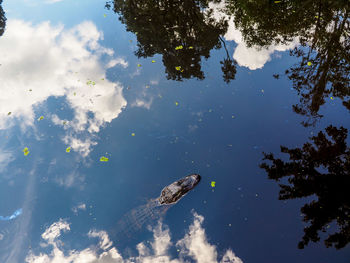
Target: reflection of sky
[[70, 200]]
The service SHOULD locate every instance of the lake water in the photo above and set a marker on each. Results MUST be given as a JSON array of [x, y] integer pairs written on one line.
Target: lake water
[[104, 103]]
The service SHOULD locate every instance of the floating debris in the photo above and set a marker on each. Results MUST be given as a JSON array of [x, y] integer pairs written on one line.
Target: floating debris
[[25, 151], [309, 63], [104, 159], [179, 47], [133, 134], [139, 65], [212, 184], [153, 61], [190, 47], [40, 118], [9, 113], [332, 98], [179, 68], [68, 149], [176, 103]]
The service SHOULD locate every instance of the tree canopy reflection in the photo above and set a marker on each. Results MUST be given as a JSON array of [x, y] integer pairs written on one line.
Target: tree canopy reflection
[[322, 170], [2, 19], [321, 27], [162, 26]]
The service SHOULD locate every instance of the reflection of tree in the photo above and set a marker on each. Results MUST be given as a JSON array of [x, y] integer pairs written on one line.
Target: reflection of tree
[[322, 28], [161, 26], [2, 19], [331, 188]]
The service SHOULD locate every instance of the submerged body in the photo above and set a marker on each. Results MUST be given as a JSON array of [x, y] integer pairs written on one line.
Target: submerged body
[[149, 213], [175, 191]]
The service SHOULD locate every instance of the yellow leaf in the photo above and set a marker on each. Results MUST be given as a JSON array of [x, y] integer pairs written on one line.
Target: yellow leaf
[[190, 47], [178, 68], [153, 61], [212, 184], [25, 151], [104, 159], [133, 134], [176, 103], [139, 65], [179, 47], [104, 15], [40, 118], [68, 149], [9, 113], [332, 98], [309, 63]]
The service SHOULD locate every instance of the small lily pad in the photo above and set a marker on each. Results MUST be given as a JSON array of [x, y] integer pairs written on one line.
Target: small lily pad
[[103, 159], [68, 149], [25, 151], [212, 184]]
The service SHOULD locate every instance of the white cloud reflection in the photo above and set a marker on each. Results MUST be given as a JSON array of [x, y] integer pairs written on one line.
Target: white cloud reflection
[[42, 61], [194, 246], [251, 57]]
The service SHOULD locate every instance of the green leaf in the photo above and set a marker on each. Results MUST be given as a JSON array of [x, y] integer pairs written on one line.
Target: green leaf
[[309, 63], [68, 149], [103, 159], [9, 113], [178, 68], [212, 184], [179, 47], [40, 118], [153, 61]]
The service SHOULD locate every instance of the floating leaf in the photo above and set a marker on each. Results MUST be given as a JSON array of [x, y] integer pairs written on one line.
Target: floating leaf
[[102, 79], [147, 86], [103, 159], [276, 2], [30, 90], [74, 93], [178, 68], [176, 103], [104, 15], [9, 113], [40, 118], [309, 63], [190, 47], [153, 61], [133, 134], [332, 98], [179, 47], [25, 151], [64, 122], [212, 184], [139, 65], [68, 149]]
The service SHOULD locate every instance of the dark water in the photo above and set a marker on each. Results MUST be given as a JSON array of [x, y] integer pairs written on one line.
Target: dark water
[[251, 95]]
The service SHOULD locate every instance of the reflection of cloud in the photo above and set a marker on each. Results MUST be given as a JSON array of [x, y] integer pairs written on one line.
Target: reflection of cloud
[[76, 208], [194, 245], [118, 61], [5, 159], [142, 103], [40, 61], [250, 57], [52, 1]]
